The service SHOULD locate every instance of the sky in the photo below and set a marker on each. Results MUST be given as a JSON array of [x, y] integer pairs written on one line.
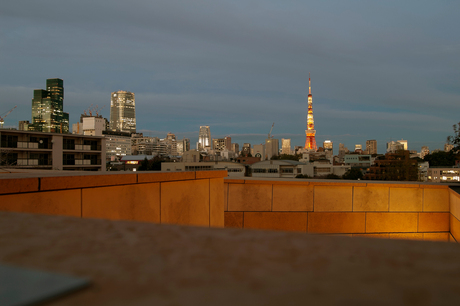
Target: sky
[[384, 70]]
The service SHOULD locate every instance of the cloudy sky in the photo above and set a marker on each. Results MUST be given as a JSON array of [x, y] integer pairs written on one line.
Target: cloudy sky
[[383, 70]]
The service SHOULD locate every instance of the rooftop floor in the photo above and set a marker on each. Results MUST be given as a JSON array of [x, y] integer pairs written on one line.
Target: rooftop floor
[[134, 263]]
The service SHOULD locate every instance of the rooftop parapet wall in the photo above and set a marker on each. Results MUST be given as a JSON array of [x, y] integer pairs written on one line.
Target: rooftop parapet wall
[[188, 198], [387, 210], [454, 213]]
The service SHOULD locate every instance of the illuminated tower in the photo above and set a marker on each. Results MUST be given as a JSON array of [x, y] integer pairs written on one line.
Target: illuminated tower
[[310, 142]]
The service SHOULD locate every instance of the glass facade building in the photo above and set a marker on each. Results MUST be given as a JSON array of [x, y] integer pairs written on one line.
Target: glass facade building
[[123, 112], [48, 109], [204, 138]]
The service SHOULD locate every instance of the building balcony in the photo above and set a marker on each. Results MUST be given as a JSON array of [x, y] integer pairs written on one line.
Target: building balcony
[[132, 261], [46, 162], [34, 145]]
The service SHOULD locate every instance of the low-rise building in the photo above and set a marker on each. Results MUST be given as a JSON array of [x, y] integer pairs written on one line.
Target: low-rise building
[[38, 150], [276, 168], [247, 160], [118, 145], [322, 168], [233, 169], [358, 160], [423, 171], [396, 166], [131, 162], [443, 174]]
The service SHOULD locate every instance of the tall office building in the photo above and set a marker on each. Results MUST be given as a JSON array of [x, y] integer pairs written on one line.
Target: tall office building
[[310, 142], [328, 148], [394, 146], [342, 151], [343, 148], [123, 112], [236, 148], [183, 146], [258, 151], [271, 148], [171, 144], [285, 146], [371, 146], [221, 144], [204, 138], [48, 109], [404, 143], [228, 142]]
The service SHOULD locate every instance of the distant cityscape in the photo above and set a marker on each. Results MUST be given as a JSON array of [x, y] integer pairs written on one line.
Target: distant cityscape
[[122, 148]]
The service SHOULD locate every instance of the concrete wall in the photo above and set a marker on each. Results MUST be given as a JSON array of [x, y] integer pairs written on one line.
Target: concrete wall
[[189, 198], [398, 210], [204, 198], [454, 217]]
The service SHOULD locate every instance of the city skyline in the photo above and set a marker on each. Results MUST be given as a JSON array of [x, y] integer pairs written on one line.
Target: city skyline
[[383, 71]]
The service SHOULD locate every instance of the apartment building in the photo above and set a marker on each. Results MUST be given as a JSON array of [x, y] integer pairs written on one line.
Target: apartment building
[[38, 150]]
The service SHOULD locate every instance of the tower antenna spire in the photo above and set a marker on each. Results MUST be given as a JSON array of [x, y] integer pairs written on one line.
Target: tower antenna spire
[[309, 84]]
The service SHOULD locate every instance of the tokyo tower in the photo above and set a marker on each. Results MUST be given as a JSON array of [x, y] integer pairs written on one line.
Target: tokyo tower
[[310, 142]]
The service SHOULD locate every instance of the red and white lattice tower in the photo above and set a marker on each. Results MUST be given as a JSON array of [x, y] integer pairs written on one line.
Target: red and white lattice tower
[[310, 142]]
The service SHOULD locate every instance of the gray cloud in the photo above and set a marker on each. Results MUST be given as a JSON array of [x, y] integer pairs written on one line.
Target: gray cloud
[[378, 69]]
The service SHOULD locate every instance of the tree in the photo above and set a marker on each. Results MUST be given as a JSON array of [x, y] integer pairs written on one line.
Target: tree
[[332, 176], [455, 140], [287, 157], [144, 165], [441, 159], [353, 174], [8, 158], [302, 176], [155, 163]]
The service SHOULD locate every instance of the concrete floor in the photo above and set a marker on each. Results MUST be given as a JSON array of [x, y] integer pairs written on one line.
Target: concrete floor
[[133, 263]]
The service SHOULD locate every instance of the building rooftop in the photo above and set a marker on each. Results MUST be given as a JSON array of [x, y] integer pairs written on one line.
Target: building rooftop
[[328, 260], [135, 263]]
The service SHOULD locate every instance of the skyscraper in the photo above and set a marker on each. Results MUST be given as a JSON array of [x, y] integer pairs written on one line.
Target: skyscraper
[[204, 138], [285, 146], [394, 146], [310, 142], [220, 144], [271, 148], [371, 146], [123, 112], [404, 143], [236, 148], [48, 108], [328, 148]]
